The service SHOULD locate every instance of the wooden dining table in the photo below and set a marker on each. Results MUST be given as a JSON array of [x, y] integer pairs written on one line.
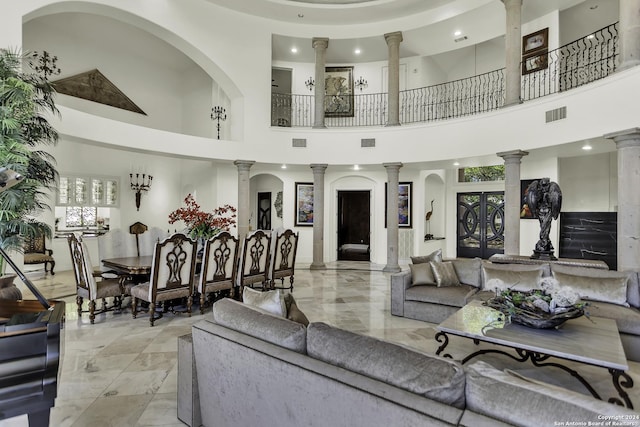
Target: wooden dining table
[[133, 265]]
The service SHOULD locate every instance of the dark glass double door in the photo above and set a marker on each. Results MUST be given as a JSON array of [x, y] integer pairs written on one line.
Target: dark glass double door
[[480, 224]]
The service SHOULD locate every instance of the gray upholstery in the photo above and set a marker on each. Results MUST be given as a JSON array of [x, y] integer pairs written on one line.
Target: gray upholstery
[[456, 296], [468, 271], [523, 402], [260, 324], [431, 376], [627, 318]]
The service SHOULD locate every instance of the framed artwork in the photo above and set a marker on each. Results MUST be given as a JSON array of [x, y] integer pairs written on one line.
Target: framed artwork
[[338, 89], [535, 41], [405, 203], [525, 212], [304, 204], [535, 62]]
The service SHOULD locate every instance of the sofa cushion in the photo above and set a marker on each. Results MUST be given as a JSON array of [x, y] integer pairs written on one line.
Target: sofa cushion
[[519, 277], [260, 324], [612, 289], [444, 273], [633, 294], [468, 270], [454, 296], [498, 394], [433, 256], [427, 375], [271, 301], [422, 274], [627, 318]]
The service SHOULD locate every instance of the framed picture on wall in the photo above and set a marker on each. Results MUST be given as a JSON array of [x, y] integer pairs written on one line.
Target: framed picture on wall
[[338, 89], [525, 211], [405, 203], [535, 41], [304, 204], [535, 62]]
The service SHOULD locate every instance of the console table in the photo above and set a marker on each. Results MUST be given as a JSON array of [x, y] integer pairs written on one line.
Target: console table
[[574, 262]]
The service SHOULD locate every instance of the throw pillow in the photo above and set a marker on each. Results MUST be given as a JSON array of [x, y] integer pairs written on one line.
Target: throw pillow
[[612, 290], [269, 301], [433, 256], [421, 274], [512, 276], [445, 274], [293, 312]]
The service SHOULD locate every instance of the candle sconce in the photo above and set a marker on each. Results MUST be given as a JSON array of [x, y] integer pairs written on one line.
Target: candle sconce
[[218, 113], [142, 182]]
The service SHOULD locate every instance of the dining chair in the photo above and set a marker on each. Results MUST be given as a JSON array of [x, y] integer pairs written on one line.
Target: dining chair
[[283, 258], [87, 285], [36, 252], [172, 275], [137, 228], [254, 260], [219, 266]]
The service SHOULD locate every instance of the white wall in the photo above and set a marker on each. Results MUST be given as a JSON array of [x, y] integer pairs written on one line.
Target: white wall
[[589, 183]]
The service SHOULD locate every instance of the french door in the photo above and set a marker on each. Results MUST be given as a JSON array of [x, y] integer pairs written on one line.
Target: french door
[[480, 224]]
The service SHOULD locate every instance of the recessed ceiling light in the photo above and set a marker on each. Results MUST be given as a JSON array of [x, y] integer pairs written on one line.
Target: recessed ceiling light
[[356, 167], [294, 50], [457, 33], [591, 36], [456, 163], [587, 147], [283, 167], [357, 51]]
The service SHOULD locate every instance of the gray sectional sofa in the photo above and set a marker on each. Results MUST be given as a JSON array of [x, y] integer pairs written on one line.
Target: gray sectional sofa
[[253, 368], [611, 294]]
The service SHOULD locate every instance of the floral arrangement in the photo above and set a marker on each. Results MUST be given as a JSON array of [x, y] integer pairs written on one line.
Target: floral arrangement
[[547, 307], [204, 224]]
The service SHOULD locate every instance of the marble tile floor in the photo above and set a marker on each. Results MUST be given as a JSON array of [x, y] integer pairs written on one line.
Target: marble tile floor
[[121, 372]]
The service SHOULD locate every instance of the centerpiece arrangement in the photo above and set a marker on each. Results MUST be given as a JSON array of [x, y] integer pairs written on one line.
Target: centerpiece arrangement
[[544, 308], [203, 225]]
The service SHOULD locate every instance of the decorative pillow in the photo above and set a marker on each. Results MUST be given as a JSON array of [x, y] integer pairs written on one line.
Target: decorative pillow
[[516, 277], [433, 256], [469, 271], [445, 274], [612, 290], [293, 312], [421, 274], [269, 301]]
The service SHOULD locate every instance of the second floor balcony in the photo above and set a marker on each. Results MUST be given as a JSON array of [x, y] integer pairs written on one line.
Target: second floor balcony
[[575, 64]]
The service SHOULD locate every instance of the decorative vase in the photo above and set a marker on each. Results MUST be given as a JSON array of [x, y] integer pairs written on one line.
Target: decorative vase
[[8, 289]]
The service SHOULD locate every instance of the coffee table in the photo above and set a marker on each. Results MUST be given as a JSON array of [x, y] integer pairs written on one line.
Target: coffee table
[[594, 341]]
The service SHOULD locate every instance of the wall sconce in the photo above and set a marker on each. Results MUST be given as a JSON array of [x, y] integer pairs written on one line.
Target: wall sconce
[[310, 83], [218, 113], [139, 185], [361, 84]]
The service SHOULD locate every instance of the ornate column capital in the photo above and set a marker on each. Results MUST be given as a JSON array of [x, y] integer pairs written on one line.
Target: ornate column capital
[[625, 138], [244, 165], [392, 166], [320, 42], [395, 37], [318, 167], [513, 156]]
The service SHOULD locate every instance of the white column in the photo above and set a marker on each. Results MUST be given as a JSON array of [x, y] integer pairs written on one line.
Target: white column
[[512, 200], [318, 216], [393, 43], [628, 145], [629, 33], [243, 196], [393, 174], [513, 51], [320, 45]]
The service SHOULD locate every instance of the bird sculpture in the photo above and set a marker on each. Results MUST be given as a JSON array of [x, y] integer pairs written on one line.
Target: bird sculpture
[[429, 236], [544, 198]]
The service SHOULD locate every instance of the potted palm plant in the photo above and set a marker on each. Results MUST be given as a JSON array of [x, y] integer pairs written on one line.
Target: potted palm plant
[[25, 99]]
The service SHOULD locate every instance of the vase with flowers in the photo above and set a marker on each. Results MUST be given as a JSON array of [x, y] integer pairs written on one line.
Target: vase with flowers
[[202, 225]]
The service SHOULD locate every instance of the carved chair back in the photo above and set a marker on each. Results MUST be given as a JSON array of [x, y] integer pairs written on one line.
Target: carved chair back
[[219, 260], [173, 267], [284, 256], [254, 265]]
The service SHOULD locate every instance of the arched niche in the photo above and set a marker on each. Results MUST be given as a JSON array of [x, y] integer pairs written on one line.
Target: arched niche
[[263, 184], [434, 190]]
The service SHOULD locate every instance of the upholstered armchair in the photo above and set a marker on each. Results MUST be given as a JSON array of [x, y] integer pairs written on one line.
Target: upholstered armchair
[[172, 275], [36, 252]]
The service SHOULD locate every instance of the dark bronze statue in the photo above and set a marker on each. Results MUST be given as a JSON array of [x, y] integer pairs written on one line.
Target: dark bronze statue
[[545, 200]]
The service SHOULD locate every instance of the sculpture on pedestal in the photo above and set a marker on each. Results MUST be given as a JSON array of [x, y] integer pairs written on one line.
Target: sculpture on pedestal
[[544, 198]]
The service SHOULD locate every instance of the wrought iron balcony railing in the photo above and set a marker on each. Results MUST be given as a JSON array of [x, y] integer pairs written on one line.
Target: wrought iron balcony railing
[[575, 64]]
